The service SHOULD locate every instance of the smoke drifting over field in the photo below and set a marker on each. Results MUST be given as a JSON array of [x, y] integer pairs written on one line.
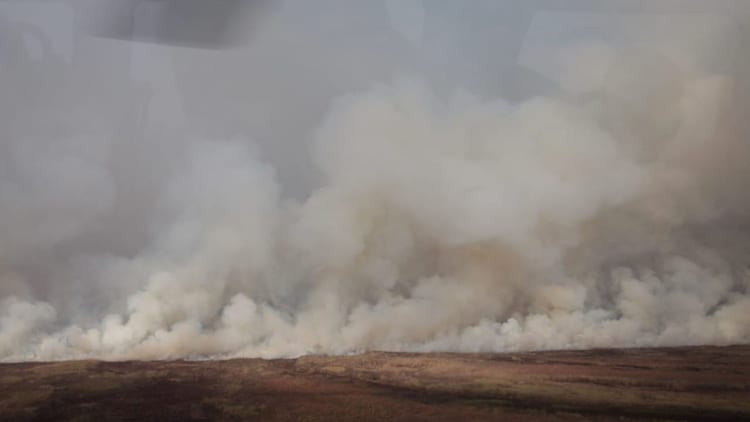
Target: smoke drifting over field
[[372, 176]]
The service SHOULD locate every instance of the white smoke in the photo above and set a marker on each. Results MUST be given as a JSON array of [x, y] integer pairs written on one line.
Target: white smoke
[[609, 213]]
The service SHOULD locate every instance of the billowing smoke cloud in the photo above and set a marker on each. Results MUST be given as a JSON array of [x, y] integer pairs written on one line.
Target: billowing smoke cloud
[[596, 200]]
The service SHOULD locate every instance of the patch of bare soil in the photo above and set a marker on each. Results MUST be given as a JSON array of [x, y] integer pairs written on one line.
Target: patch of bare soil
[[694, 383]]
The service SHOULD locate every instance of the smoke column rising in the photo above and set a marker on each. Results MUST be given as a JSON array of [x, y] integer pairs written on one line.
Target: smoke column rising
[[588, 192]]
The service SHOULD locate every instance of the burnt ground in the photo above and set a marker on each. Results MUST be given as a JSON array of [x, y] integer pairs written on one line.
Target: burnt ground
[[693, 383]]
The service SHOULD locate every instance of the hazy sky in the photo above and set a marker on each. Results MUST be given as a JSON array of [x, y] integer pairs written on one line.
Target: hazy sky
[[337, 176]]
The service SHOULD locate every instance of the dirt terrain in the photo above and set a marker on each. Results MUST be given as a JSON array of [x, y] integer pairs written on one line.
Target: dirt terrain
[[697, 383]]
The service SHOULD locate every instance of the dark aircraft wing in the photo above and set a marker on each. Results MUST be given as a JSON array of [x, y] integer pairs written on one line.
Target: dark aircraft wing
[[196, 23]]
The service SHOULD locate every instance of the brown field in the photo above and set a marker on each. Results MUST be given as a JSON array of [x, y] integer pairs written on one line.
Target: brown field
[[694, 383]]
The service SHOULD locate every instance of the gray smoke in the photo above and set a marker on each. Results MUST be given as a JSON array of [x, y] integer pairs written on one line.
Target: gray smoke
[[376, 175]]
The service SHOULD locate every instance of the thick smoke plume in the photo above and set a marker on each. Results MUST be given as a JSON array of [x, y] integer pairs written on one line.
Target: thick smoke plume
[[598, 201]]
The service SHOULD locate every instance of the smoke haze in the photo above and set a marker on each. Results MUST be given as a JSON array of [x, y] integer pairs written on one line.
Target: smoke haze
[[368, 175]]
